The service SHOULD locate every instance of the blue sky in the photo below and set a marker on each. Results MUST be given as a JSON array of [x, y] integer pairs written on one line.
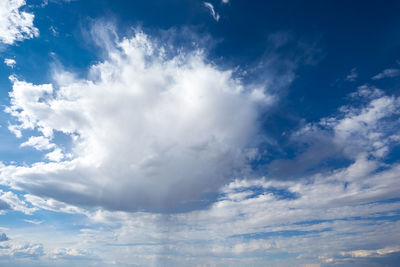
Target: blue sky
[[199, 133]]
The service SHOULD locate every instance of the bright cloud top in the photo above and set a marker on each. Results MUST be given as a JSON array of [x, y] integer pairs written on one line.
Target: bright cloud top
[[15, 25], [147, 131]]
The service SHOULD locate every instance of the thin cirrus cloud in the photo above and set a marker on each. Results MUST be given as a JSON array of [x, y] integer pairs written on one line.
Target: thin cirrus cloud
[[135, 121], [15, 24], [211, 8], [352, 76], [387, 73]]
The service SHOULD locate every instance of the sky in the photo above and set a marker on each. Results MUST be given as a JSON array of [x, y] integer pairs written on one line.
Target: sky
[[199, 133]]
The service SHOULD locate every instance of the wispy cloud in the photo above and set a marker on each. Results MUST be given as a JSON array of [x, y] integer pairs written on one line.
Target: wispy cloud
[[352, 76], [37, 222], [388, 73], [213, 13]]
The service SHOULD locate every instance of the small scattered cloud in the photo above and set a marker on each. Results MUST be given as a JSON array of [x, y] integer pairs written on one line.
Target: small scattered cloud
[[225, 1], [10, 62], [213, 13], [352, 76], [387, 73]]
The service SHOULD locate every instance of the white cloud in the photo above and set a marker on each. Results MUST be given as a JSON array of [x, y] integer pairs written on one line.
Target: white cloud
[[15, 25], [147, 130], [52, 205], [368, 129], [10, 62], [321, 218], [22, 251], [214, 14], [33, 221], [39, 143], [333, 212], [56, 155], [225, 1], [13, 202], [69, 253], [371, 253], [388, 73]]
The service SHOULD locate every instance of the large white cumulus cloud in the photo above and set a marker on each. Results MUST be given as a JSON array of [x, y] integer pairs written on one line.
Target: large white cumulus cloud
[[148, 131], [15, 25]]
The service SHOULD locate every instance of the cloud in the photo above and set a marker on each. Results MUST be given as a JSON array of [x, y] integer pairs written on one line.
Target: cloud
[[388, 73], [38, 142], [148, 131], [11, 201], [33, 221], [371, 253], [352, 76], [225, 1], [334, 211], [214, 14], [70, 254], [15, 25], [367, 128], [22, 251], [10, 62], [321, 218], [329, 217], [56, 155], [52, 205]]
